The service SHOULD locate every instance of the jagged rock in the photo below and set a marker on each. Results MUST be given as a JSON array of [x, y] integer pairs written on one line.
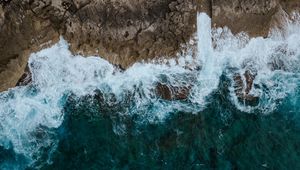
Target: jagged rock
[[26, 78], [124, 32], [243, 85], [4, 2], [21, 33], [121, 31], [169, 92]]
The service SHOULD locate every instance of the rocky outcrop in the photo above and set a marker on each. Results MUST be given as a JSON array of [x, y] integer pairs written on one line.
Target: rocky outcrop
[[255, 17], [243, 85], [128, 31], [21, 33], [169, 92], [121, 31]]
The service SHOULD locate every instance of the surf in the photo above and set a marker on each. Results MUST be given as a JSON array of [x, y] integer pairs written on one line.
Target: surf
[[30, 113]]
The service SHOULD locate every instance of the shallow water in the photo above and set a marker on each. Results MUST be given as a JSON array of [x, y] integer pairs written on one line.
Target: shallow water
[[84, 113]]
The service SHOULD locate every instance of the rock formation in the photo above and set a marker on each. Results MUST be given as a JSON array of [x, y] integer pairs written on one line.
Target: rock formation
[[121, 31], [255, 17], [169, 92], [243, 85]]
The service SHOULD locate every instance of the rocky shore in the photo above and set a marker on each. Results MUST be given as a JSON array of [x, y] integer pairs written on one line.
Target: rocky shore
[[122, 31]]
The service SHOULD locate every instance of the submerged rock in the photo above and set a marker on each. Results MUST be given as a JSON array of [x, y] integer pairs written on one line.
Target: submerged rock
[[243, 85], [169, 92]]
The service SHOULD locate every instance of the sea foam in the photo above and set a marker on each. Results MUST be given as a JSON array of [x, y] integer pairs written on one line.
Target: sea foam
[[27, 113]]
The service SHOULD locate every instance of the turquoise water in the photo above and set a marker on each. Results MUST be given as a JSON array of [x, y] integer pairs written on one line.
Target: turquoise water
[[219, 137], [84, 113]]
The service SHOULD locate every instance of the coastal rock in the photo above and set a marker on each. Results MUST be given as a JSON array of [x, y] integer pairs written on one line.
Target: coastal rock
[[243, 85], [169, 92], [255, 17], [26, 78], [21, 33], [121, 31], [125, 32]]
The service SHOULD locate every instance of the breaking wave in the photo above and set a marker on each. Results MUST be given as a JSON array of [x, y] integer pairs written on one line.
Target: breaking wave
[[260, 74]]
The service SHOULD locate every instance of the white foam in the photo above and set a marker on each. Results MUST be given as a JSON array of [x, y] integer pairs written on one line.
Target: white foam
[[56, 72], [208, 78], [262, 55], [240, 53]]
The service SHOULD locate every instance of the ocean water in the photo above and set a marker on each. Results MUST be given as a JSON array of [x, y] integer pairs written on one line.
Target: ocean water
[[84, 113]]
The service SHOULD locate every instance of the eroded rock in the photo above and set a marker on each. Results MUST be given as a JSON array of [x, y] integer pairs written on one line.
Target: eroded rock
[[121, 31], [256, 17], [243, 85], [169, 92], [26, 78]]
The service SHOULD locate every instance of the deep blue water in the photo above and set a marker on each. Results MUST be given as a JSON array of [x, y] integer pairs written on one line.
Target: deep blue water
[[219, 137], [94, 135]]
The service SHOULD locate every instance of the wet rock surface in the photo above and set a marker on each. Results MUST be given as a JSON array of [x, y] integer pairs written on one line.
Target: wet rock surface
[[169, 92], [243, 85], [26, 78]]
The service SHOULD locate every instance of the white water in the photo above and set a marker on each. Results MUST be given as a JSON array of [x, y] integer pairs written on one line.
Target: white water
[[261, 55], [208, 78], [237, 53], [56, 73]]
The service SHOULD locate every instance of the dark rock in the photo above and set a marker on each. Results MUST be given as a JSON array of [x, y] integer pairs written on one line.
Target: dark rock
[[5, 2], [169, 92], [243, 85], [26, 78], [69, 6]]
